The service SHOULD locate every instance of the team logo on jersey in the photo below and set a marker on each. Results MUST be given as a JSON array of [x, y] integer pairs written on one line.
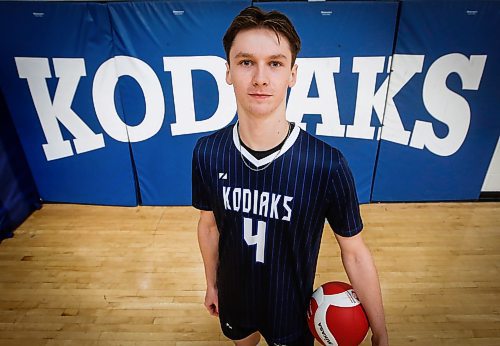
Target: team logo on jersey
[[255, 202]]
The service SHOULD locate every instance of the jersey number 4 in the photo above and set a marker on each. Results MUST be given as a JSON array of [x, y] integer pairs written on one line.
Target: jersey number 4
[[258, 239]]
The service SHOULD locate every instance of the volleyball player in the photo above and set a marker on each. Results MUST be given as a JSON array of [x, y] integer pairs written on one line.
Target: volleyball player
[[264, 188]]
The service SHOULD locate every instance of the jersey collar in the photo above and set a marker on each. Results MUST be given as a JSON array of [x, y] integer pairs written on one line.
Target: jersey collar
[[265, 160]]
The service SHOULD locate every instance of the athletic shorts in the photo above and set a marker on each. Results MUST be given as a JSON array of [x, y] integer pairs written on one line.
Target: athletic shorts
[[234, 332]]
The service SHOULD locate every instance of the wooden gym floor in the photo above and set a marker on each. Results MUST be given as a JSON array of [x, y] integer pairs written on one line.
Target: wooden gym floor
[[93, 275]]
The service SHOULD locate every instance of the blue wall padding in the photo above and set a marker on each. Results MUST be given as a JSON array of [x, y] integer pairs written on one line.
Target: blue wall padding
[[150, 31], [345, 30], [64, 30], [437, 29], [18, 194], [102, 94]]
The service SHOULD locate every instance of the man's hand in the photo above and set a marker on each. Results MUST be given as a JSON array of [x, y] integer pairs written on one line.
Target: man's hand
[[380, 341], [208, 239], [212, 301]]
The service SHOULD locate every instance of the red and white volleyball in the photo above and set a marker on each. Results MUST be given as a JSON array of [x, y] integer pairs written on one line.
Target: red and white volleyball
[[335, 315]]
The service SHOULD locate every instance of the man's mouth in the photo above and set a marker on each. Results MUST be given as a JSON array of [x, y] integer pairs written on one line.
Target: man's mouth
[[260, 95]]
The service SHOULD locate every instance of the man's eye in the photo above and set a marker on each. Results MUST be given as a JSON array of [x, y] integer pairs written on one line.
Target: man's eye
[[245, 62], [276, 64]]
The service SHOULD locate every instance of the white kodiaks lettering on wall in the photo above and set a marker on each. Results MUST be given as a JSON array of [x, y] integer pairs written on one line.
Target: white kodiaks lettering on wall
[[404, 67], [326, 104], [446, 105], [69, 72], [103, 93], [368, 98], [367, 69], [182, 87], [257, 203]]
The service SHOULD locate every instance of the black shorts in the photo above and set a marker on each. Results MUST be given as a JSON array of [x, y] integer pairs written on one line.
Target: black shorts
[[234, 332]]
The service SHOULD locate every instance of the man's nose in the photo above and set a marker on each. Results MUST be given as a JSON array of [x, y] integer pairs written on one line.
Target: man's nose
[[260, 76]]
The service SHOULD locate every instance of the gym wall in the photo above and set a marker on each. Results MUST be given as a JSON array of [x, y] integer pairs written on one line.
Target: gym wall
[[18, 194], [108, 99]]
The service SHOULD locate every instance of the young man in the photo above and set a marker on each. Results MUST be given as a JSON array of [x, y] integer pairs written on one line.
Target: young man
[[264, 188]]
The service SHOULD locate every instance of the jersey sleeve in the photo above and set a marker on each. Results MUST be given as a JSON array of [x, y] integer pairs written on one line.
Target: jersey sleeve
[[343, 207], [200, 192]]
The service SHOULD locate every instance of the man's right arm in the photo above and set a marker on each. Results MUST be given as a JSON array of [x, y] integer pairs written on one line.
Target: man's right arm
[[208, 239]]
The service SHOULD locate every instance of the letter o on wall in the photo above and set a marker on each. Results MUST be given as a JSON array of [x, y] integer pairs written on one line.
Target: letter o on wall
[[103, 91]]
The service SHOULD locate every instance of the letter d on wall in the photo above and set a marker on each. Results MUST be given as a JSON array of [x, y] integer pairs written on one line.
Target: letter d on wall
[[182, 85]]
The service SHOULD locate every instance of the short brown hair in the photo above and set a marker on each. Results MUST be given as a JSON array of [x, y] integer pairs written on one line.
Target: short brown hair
[[253, 17]]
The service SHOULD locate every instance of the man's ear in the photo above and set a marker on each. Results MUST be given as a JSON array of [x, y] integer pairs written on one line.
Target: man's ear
[[228, 75], [293, 76]]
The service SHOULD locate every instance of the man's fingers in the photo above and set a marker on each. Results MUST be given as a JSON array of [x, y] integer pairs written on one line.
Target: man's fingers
[[213, 309], [212, 303]]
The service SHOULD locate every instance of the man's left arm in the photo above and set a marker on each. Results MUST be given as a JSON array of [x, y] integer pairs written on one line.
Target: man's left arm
[[360, 269]]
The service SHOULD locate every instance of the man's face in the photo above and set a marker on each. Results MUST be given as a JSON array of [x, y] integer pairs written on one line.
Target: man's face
[[260, 71]]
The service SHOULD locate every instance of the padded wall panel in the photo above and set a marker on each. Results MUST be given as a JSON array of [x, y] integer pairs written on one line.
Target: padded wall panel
[[445, 92], [47, 70], [178, 44], [347, 46]]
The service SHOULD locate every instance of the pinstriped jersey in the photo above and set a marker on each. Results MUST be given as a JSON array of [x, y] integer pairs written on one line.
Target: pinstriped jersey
[[270, 224]]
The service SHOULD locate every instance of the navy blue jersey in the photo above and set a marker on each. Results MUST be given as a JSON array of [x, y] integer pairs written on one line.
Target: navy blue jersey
[[270, 224]]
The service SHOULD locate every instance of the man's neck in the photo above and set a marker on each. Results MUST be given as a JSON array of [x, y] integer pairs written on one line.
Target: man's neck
[[262, 133]]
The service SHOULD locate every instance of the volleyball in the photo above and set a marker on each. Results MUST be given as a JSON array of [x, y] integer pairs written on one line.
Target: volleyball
[[335, 315]]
